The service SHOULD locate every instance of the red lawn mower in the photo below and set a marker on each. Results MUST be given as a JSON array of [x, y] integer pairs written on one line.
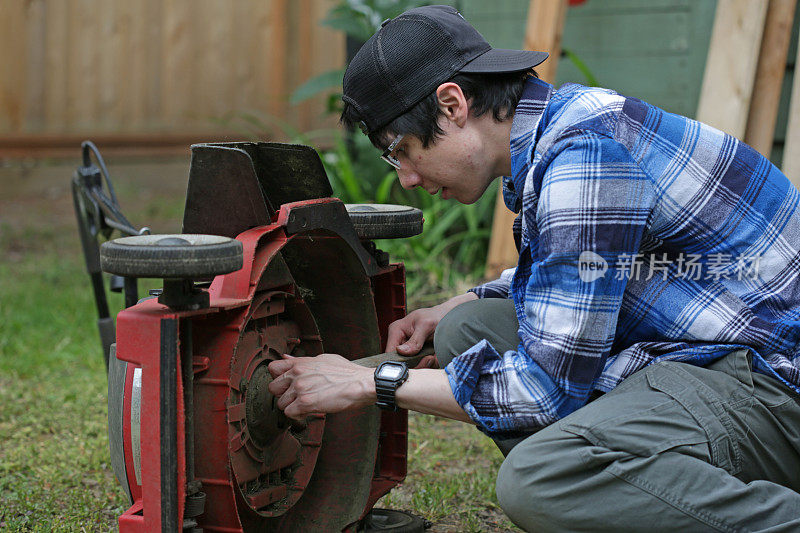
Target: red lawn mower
[[268, 263]]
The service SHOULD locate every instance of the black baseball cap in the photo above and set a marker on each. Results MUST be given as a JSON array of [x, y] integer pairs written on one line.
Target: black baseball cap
[[412, 54]]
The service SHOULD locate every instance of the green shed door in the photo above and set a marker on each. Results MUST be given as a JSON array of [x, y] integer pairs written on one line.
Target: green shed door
[[654, 50]]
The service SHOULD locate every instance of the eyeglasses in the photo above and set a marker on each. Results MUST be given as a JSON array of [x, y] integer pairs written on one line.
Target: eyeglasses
[[387, 154]]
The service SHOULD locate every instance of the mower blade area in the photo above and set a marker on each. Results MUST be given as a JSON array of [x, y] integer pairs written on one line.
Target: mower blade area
[[259, 470]]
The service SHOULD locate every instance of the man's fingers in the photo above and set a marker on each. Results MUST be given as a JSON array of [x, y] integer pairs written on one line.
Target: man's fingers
[[300, 407], [286, 399], [393, 342], [279, 385], [406, 349], [397, 335], [279, 366], [291, 408], [414, 344], [429, 361]]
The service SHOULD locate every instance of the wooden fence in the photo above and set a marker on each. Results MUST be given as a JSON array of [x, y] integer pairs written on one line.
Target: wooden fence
[[156, 71]]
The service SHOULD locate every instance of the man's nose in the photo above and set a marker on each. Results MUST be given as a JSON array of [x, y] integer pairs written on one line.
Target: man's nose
[[408, 178]]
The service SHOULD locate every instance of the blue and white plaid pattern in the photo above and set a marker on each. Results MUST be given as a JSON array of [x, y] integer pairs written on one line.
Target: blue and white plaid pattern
[[599, 179]]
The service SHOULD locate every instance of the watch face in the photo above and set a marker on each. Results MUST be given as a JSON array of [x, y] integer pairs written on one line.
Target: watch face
[[390, 372]]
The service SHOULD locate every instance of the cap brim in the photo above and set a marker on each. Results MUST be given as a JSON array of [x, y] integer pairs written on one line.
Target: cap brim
[[501, 60]]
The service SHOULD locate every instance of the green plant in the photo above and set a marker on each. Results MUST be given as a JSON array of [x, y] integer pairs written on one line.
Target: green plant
[[360, 18], [450, 252], [591, 80]]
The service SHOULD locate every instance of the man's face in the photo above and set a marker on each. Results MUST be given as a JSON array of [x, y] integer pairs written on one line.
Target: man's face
[[455, 165]]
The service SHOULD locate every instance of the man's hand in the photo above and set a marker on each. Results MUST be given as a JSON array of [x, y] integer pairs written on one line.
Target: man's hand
[[407, 335], [327, 383]]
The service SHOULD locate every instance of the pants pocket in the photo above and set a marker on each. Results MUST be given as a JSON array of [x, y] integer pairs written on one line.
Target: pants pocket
[[643, 423], [663, 408], [705, 407]]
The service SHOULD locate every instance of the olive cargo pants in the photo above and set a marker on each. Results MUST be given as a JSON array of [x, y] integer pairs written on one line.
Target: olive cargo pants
[[674, 447]]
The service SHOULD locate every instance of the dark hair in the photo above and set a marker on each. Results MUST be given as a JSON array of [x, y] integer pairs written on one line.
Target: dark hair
[[499, 93]]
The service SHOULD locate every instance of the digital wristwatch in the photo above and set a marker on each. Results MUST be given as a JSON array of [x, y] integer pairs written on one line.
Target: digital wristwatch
[[388, 377]]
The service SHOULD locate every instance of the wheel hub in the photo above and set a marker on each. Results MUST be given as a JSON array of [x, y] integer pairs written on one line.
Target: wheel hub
[[272, 456], [265, 422]]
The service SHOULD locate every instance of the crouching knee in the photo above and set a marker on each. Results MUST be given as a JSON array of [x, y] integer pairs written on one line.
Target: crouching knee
[[493, 319], [535, 480], [449, 337]]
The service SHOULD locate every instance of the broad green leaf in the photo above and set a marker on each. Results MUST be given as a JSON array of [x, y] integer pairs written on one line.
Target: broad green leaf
[[331, 79]]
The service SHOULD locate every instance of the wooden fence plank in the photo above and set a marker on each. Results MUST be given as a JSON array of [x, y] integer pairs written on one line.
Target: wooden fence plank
[[12, 65], [154, 51], [543, 32], [127, 63], [305, 54], [278, 49], [110, 66], [769, 75], [328, 54], [260, 68], [83, 81], [131, 64], [34, 111], [731, 65], [241, 36], [160, 67], [179, 83], [57, 65], [214, 59]]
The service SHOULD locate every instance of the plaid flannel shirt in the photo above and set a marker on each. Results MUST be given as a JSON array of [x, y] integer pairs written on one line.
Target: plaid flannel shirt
[[643, 236]]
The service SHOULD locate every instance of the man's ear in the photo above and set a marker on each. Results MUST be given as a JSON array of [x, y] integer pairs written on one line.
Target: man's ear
[[452, 103]]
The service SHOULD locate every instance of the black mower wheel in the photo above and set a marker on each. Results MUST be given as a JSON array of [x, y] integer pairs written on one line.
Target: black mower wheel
[[182, 256], [392, 521], [385, 221]]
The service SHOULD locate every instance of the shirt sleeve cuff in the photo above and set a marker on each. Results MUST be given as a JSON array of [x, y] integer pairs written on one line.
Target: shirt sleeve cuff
[[499, 288], [463, 373]]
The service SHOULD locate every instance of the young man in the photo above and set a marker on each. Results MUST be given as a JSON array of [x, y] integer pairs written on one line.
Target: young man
[[641, 365]]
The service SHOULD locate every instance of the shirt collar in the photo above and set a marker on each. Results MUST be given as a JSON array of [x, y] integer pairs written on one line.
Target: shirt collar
[[524, 133]]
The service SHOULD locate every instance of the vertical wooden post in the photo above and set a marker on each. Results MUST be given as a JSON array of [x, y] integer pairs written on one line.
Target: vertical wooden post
[[731, 65], [769, 75], [543, 32], [791, 148]]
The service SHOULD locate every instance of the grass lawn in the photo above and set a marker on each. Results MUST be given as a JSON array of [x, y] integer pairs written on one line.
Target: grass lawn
[[54, 467]]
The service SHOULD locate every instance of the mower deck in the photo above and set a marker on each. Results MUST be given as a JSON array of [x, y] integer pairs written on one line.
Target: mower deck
[[196, 438]]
